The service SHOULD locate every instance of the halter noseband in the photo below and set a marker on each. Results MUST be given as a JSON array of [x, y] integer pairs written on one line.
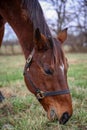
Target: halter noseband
[[39, 94]]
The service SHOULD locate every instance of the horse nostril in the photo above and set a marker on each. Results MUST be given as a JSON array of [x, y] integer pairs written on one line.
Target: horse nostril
[[65, 117], [53, 115]]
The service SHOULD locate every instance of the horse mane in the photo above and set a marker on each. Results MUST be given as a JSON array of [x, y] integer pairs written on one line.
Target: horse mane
[[36, 15]]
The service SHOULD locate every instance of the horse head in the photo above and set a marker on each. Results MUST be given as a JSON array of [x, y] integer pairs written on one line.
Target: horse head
[[46, 76]]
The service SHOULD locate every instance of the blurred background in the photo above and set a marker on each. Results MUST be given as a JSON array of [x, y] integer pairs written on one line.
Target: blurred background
[[59, 14]]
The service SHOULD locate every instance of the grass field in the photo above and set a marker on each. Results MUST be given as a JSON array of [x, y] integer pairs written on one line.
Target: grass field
[[21, 111]]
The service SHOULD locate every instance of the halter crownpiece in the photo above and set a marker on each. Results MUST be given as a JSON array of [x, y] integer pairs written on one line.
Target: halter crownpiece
[[39, 94]]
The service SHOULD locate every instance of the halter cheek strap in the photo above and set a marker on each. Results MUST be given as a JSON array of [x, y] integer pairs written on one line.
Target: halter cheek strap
[[39, 94]]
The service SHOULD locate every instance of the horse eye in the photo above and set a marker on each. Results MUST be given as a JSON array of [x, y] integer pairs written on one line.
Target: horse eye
[[49, 71]]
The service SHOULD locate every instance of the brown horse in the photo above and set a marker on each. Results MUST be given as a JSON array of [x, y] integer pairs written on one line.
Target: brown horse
[[45, 72]]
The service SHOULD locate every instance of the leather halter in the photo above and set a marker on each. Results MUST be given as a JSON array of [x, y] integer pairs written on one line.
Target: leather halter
[[39, 94]]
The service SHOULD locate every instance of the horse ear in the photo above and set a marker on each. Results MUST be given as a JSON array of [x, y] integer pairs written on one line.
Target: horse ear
[[40, 40], [37, 35], [62, 35]]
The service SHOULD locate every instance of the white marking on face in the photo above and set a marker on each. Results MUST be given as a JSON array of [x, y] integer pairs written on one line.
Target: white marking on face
[[62, 67]]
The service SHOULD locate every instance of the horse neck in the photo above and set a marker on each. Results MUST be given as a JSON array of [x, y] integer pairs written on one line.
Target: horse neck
[[2, 22], [24, 33], [20, 23]]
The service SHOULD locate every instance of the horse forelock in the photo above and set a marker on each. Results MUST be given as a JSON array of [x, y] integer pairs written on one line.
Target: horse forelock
[[58, 52]]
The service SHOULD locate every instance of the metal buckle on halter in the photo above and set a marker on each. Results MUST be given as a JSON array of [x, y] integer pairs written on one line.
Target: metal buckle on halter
[[40, 95], [29, 59], [28, 62]]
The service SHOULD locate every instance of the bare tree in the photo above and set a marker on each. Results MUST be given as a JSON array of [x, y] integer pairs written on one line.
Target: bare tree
[[59, 7], [85, 21], [77, 14]]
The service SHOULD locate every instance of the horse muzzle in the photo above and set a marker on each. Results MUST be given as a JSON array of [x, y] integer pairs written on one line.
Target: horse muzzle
[[52, 115]]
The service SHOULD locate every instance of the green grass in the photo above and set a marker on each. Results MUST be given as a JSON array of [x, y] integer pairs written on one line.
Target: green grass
[[21, 111]]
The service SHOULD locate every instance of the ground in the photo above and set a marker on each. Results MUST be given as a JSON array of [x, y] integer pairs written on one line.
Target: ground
[[21, 111]]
